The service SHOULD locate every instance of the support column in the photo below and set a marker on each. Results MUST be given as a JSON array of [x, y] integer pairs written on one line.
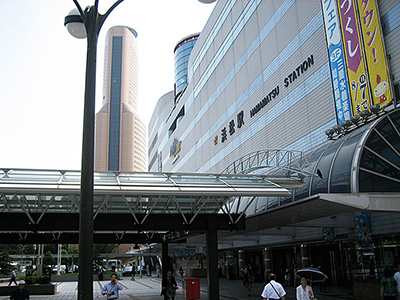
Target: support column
[[212, 259], [164, 260], [267, 262], [305, 260]]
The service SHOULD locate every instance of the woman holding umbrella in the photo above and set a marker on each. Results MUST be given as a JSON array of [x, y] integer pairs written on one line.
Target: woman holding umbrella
[[304, 291]]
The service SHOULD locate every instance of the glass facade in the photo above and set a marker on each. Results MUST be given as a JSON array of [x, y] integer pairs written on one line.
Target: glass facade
[[115, 104], [182, 54]]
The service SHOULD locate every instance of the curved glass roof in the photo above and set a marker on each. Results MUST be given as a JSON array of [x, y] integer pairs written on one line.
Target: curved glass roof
[[365, 160]]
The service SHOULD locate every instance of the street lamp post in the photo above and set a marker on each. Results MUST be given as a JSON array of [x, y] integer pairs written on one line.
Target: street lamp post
[[87, 23]]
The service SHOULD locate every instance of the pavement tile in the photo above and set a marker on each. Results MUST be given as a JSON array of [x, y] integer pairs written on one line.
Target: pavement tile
[[148, 288]]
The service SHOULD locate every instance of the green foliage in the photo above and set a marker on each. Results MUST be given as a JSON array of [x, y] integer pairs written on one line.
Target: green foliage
[[73, 249], [12, 249], [37, 279], [102, 249], [48, 259], [5, 267]]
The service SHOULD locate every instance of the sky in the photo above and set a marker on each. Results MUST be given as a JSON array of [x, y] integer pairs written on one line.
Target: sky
[[42, 72]]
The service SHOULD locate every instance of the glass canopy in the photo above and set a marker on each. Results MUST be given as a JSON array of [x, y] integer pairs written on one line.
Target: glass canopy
[[115, 192]]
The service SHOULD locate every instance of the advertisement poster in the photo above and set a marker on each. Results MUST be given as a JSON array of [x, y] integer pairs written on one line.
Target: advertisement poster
[[359, 85], [374, 51], [337, 61], [363, 221]]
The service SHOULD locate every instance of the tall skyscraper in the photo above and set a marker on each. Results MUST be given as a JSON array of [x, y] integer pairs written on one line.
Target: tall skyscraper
[[120, 143]]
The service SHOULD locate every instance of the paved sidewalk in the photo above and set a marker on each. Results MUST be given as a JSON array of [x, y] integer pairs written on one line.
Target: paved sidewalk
[[148, 288]]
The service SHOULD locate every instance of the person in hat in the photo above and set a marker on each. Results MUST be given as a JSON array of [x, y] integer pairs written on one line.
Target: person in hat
[[21, 293]]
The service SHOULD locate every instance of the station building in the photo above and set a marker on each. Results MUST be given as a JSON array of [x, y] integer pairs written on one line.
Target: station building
[[300, 86]]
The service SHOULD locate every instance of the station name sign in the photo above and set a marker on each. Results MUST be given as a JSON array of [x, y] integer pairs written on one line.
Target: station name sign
[[291, 78], [233, 124]]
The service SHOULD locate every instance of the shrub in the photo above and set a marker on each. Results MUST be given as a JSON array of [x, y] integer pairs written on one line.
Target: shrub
[[37, 279]]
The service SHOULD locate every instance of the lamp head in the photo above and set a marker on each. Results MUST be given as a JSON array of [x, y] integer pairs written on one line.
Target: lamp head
[[207, 1], [74, 23], [329, 133], [375, 108], [364, 114], [346, 124], [337, 128], [355, 119]]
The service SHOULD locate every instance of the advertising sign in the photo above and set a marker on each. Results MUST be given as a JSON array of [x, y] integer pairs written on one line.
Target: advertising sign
[[337, 61], [358, 79], [363, 221], [374, 51]]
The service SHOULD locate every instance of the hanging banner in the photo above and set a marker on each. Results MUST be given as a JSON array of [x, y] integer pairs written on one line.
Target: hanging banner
[[374, 51], [328, 234], [337, 61], [360, 95], [363, 221]]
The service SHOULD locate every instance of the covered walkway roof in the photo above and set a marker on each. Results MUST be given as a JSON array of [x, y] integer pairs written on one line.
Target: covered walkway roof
[[128, 207]]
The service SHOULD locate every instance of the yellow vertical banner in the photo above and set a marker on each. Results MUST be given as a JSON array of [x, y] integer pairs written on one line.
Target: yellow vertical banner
[[374, 51], [359, 85]]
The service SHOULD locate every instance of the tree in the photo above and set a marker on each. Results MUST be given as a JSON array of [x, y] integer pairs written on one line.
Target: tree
[[5, 266], [102, 249], [48, 259]]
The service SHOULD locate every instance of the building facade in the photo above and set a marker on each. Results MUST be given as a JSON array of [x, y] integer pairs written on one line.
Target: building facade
[[265, 77], [182, 53], [120, 141]]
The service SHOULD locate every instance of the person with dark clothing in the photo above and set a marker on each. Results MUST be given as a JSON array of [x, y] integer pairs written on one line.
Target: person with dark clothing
[[20, 293], [248, 279], [100, 273], [13, 278], [133, 272], [181, 272], [169, 287], [389, 289]]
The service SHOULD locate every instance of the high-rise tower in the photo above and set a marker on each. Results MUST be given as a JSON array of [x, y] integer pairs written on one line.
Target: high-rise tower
[[120, 143]]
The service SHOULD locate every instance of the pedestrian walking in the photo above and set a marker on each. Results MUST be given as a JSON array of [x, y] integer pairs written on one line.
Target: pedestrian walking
[[13, 278], [158, 268], [100, 272], [304, 291], [248, 279], [181, 273], [21, 293], [133, 273], [273, 290], [112, 288], [389, 289], [169, 287], [288, 277]]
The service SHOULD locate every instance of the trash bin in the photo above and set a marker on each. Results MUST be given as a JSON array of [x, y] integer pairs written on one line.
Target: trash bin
[[192, 288]]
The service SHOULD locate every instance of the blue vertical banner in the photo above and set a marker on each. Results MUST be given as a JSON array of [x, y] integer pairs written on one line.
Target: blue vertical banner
[[363, 223], [337, 61]]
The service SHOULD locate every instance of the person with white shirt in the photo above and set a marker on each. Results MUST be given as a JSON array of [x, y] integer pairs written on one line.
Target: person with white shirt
[[273, 290], [304, 291], [397, 278]]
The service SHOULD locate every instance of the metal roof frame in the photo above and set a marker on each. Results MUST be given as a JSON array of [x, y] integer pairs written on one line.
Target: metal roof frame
[[46, 202]]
